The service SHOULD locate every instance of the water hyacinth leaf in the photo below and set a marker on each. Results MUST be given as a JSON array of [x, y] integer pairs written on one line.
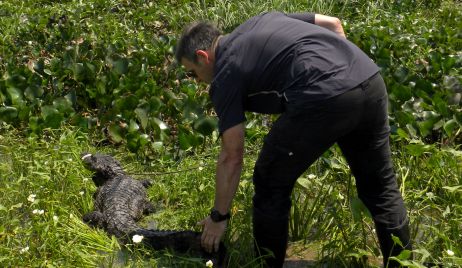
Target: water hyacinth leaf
[[121, 66], [79, 71], [160, 123], [424, 85], [133, 126], [142, 115], [157, 145], [402, 133], [401, 74], [63, 105], [15, 95], [155, 104], [401, 93], [8, 113], [452, 83], [115, 133], [34, 124], [132, 139], [33, 91], [450, 127], [144, 139], [417, 149], [185, 139], [205, 125]]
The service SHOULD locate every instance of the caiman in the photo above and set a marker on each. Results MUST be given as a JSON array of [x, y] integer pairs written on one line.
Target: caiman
[[120, 201]]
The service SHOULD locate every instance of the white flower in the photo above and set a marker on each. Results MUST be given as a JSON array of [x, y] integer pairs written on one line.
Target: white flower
[[85, 179], [55, 218], [201, 168], [38, 211], [24, 250], [81, 192], [137, 238], [450, 252], [311, 176], [209, 263], [31, 198]]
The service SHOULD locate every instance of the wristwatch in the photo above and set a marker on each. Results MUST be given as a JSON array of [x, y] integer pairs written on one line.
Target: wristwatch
[[216, 216]]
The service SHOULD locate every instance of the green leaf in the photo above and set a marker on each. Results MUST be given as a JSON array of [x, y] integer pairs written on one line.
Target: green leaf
[[304, 182], [144, 139], [121, 66], [450, 126], [396, 240], [33, 91], [205, 125], [115, 133], [402, 133], [79, 71], [417, 149], [142, 115], [133, 126], [160, 123], [155, 104], [63, 105], [401, 74], [8, 113], [404, 255], [15, 95]]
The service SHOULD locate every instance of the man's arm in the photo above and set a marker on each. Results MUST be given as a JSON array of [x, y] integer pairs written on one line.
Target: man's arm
[[331, 23], [228, 173]]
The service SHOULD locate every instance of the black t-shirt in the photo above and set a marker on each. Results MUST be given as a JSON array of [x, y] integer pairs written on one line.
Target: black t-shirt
[[276, 62]]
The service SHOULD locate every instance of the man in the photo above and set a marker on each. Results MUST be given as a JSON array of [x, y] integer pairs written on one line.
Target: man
[[326, 90]]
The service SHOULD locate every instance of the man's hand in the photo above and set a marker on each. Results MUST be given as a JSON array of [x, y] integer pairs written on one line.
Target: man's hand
[[212, 233], [331, 23]]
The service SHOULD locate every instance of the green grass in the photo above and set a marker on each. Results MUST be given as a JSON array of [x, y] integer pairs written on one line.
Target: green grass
[[325, 212]]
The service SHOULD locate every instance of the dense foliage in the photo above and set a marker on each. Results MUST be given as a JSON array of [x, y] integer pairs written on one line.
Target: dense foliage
[[85, 75], [108, 65]]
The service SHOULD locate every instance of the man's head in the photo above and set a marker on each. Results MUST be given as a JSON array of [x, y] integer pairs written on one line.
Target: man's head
[[195, 49]]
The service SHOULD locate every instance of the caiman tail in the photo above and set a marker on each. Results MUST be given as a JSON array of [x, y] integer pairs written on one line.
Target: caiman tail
[[182, 242]]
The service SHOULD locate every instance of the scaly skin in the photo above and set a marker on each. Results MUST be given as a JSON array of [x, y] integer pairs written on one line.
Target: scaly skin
[[121, 201]]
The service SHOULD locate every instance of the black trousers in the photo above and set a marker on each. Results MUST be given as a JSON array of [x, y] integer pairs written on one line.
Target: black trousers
[[358, 122]]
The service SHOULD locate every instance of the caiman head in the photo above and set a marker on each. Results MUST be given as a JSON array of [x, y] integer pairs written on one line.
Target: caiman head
[[105, 167]]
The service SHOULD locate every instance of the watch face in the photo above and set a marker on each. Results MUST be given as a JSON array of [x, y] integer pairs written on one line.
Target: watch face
[[215, 215]]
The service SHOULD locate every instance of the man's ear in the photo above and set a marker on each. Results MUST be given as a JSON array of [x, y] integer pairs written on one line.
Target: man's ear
[[202, 56]]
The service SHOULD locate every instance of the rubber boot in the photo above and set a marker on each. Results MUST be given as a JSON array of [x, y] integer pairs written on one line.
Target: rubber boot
[[271, 237], [387, 245]]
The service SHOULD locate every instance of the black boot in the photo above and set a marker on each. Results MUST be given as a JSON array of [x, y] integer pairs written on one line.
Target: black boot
[[387, 245]]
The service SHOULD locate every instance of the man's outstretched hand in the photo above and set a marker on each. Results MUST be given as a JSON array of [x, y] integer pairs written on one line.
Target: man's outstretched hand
[[212, 233]]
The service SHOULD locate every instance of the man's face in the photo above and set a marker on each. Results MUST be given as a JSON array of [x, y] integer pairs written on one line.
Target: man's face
[[201, 71]]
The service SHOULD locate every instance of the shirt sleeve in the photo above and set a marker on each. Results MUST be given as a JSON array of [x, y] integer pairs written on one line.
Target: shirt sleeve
[[227, 97], [306, 17]]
